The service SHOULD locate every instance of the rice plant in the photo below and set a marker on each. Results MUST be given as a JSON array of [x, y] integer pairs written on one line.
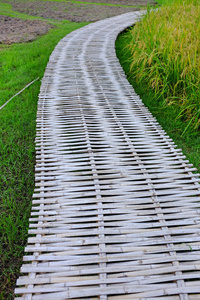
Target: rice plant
[[165, 49]]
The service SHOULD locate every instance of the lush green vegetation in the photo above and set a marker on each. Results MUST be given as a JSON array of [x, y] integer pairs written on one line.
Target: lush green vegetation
[[161, 58], [6, 10], [19, 65], [165, 56]]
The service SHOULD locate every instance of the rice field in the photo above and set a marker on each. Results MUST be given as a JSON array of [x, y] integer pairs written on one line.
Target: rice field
[[165, 55]]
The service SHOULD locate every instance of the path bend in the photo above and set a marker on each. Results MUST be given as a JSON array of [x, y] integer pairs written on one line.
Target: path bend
[[115, 211]]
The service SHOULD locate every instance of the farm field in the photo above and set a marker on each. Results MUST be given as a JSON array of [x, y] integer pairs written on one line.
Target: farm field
[[29, 31], [23, 21]]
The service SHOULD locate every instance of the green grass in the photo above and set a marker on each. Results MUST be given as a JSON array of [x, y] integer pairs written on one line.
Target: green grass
[[168, 114], [91, 3], [96, 3], [6, 10], [85, 2], [19, 65], [4, 7]]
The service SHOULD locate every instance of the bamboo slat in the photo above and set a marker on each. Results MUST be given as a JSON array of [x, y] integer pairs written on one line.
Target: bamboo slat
[[115, 212]]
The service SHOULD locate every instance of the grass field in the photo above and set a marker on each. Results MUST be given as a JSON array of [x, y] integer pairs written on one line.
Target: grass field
[[19, 65]]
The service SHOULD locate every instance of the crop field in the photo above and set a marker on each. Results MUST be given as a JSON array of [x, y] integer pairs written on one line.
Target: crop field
[[161, 58]]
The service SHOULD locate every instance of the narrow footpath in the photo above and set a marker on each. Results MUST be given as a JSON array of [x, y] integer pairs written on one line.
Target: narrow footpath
[[116, 208]]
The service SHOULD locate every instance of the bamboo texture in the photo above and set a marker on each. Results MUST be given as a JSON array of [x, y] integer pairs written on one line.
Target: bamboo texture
[[116, 211]]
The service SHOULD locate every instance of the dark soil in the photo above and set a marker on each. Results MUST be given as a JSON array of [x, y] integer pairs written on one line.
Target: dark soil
[[74, 12], [14, 30]]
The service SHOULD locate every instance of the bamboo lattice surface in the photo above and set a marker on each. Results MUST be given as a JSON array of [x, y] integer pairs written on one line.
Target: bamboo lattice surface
[[116, 207]]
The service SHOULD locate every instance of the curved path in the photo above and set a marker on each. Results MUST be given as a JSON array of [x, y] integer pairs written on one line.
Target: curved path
[[116, 211]]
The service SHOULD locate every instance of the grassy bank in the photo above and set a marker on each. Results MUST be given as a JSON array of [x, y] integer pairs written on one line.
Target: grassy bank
[[161, 58], [20, 64]]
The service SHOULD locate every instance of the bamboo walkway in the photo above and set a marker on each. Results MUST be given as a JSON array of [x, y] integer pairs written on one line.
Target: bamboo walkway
[[116, 211]]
